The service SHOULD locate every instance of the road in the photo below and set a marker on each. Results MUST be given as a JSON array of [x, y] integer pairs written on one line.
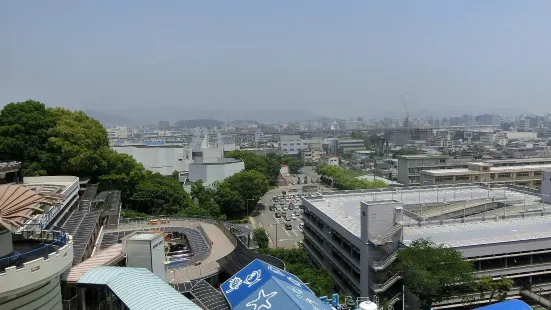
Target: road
[[275, 227]]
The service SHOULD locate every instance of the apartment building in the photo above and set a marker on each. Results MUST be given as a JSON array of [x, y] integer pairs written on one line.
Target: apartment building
[[410, 166], [355, 236]]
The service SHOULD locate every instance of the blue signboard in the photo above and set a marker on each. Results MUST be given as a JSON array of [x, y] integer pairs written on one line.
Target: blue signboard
[[262, 286]]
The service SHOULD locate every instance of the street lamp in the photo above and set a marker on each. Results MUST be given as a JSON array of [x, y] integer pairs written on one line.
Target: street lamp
[[248, 205], [277, 227]]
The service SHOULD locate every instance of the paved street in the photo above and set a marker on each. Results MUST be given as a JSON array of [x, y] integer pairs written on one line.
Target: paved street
[[263, 217]]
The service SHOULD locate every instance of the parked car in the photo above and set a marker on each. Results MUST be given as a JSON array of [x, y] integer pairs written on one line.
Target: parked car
[[288, 226], [272, 208], [277, 215]]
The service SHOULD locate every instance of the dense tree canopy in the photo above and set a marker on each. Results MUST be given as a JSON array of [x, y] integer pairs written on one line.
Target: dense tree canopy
[[260, 238], [157, 194], [57, 141], [296, 262], [24, 132], [436, 272], [294, 164], [337, 177]]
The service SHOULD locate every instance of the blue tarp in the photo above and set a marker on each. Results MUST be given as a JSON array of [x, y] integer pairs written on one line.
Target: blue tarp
[[513, 304], [262, 286]]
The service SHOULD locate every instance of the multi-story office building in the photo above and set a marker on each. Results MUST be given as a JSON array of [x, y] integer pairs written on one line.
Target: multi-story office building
[[311, 156], [34, 252], [410, 166], [477, 172], [356, 236], [293, 144], [345, 145]]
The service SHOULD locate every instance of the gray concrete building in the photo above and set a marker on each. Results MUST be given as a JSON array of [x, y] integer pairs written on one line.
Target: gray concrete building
[[410, 166], [356, 236]]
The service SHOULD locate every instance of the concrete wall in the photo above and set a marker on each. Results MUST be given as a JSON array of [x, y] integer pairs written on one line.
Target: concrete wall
[[17, 281], [164, 160], [546, 187], [210, 173]]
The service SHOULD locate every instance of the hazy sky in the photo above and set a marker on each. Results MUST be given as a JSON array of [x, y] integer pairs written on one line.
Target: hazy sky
[[333, 58]]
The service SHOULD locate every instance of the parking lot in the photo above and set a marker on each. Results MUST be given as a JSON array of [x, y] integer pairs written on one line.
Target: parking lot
[[285, 227]]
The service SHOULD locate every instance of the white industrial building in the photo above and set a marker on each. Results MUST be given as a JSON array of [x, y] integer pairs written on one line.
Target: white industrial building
[[164, 159], [293, 144], [217, 170]]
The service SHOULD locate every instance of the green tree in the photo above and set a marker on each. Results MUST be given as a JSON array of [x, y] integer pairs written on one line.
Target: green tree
[[249, 184], [433, 272], [24, 132], [79, 142], [122, 172], [159, 195], [230, 201], [251, 160], [260, 238], [489, 290], [293, 164], [297, 263]]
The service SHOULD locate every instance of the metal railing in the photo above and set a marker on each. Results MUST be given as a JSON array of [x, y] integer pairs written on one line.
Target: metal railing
[[52, 241], [385, 262], [71, 304], [378, 288]]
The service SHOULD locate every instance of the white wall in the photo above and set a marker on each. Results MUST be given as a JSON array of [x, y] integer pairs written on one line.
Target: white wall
[[164, 160], [210, 173]]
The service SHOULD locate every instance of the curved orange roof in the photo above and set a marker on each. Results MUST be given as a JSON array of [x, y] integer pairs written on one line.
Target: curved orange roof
[[17, 203]]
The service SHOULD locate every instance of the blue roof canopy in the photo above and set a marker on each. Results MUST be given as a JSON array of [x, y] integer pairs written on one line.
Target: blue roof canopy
[[262, 286], [513, 304]]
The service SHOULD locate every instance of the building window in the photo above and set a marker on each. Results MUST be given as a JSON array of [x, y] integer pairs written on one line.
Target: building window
[[504, 175], [444, 178], [462, 178], [537, 173], [537, 183], [523, 174]]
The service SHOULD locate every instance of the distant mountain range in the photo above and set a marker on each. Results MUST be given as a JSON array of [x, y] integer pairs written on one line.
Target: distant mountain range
[[142, 116]]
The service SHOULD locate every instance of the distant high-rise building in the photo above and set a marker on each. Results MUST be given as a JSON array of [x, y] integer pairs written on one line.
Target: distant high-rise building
[[164, 125]]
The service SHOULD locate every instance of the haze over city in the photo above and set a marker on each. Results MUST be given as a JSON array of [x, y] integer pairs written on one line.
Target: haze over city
[[171, 59]]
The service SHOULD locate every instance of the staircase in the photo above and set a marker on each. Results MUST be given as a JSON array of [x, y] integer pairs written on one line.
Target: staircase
[[395, 299], [387, 236], [108, 240], [382, 264], [379, 288], [73, 222], [81, 238]]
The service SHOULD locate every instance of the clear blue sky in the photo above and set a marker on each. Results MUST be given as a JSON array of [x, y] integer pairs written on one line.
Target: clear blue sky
[[334, 58]]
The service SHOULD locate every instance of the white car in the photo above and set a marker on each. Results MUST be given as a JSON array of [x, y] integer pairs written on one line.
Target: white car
[[293, 217]]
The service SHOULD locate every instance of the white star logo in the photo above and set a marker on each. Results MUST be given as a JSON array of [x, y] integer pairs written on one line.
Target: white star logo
[[264, 304]]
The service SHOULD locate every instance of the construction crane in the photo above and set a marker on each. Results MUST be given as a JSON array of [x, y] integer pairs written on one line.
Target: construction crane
[[406, 121]]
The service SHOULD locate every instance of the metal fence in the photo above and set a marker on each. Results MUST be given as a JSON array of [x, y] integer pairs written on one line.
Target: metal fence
[[51, 242], [71, 304]]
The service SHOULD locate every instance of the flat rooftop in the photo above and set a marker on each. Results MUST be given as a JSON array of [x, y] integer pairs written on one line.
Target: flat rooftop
[[344, 208], [481, 233], [143, 236], [503, 169]]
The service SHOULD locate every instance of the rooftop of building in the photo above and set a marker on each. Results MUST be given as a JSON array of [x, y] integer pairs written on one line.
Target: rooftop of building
[[50, 184], [137, 288], [422, 156], [344, 208], [9, 166], [17, 205], [502, 169]]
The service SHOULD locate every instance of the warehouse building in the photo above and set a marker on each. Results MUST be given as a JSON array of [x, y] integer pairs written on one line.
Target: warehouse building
[[356, 235]]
